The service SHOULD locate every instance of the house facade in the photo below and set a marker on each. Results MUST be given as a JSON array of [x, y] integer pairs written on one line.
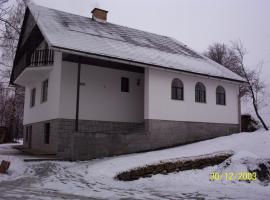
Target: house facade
[[95, 89]]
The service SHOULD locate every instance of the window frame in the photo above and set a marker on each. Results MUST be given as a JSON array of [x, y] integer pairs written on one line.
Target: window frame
[[47, 132], [177, 89], [33, 93], [125, 84], [26, 135], [44, 88], [220, 96], [28, 131], [200, 94]]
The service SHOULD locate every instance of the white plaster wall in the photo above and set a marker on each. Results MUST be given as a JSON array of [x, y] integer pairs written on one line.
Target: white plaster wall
[[49, 109], [100, 96], [102, 99], [67, 108], [161, 106]]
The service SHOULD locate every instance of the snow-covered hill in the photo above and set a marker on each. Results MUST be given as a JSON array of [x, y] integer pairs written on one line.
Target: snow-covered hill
[[96, 178]]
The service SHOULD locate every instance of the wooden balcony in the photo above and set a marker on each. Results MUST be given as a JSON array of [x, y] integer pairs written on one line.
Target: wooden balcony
[[41, 58], [35, 66]]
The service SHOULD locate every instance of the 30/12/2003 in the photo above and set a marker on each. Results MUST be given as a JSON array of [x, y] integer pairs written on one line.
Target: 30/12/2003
[[232, 176]]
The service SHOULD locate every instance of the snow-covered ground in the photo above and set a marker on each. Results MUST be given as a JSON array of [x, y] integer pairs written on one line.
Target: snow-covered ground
[[78, 180]]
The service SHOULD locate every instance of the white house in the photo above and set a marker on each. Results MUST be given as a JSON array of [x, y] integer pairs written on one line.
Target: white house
[[93, 88]]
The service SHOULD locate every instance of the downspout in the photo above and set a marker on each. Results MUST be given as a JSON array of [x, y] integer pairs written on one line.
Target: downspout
[[78, 96], [72, 153]]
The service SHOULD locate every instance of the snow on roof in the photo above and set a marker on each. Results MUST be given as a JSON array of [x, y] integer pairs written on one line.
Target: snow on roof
[[78, 33]]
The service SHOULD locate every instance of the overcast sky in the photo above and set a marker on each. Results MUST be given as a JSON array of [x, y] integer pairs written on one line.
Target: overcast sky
[[197, 23]]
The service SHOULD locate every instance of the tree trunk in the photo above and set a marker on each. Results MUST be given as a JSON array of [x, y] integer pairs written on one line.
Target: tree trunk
[[254, 99], [257, 112]]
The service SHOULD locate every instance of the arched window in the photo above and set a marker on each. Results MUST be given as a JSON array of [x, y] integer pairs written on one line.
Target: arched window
[[200, 93], [220, 96], [177, 89]]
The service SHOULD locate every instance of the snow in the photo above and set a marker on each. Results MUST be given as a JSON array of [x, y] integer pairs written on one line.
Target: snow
[[77, 33], [96, 178], [17, 167]]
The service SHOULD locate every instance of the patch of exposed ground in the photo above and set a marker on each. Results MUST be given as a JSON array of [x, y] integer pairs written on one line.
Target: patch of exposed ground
[[175, 165]]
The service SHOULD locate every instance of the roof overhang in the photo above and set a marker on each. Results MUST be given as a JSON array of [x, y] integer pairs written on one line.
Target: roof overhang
[[140, 64]]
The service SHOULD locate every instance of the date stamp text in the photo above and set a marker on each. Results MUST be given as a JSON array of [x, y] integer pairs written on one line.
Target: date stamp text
[[233, 176]]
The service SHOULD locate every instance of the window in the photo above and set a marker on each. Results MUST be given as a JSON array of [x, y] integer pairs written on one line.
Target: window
[[47, 133], [200, 93], [44, 91], [138, 82], [220, 96], [28, 133], [177, 89], [124, 84], [33, 97]]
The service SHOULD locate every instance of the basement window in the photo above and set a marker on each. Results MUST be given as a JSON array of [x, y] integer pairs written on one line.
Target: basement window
[[28, 132], [124, 84], [47, 133]]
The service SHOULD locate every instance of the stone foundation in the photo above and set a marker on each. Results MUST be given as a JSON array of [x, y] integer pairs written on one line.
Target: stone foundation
[[37, 138], [99, 138]]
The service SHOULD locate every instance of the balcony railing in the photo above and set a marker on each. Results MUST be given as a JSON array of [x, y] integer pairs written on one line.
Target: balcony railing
[[41, 58], [37, 58]]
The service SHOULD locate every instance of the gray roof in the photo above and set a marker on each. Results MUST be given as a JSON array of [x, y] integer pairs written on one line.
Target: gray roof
[[78, 33]]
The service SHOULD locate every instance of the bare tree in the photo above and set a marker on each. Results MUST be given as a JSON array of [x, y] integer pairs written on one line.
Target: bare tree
[[7, 110], [232, 57], [11, 17], [255, 85], [225, 56]]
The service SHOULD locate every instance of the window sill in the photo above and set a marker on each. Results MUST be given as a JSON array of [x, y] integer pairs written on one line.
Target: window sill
[[177, 99], [200, 102]]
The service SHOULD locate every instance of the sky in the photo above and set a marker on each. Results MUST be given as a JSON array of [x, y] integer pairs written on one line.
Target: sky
[[197, 23]]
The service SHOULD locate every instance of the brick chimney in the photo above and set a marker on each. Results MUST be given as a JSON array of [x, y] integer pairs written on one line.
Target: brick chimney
[[99, 15]]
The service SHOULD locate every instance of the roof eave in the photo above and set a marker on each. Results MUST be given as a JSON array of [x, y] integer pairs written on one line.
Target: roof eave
[[140, 64]]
